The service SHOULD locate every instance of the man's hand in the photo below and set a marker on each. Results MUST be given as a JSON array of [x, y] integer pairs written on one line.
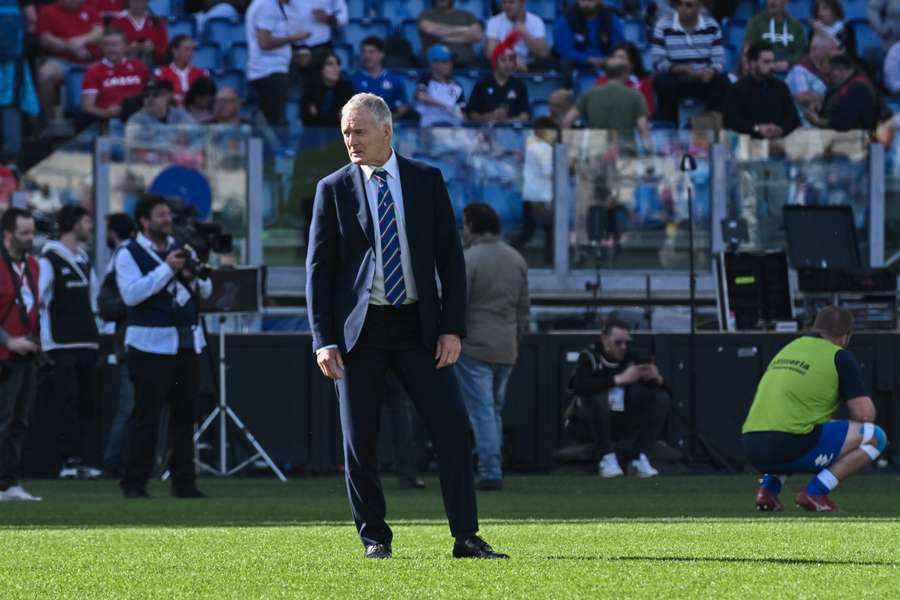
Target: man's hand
[[782, 65], [629, 375], [330, 362], [175, 260], [448, 349], [21, 345], [706, 75], [651, 373], [321, 16], [300, 36]]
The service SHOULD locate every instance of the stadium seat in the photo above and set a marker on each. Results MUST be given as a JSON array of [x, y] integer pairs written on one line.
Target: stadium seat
[[506, 200], [467, 80], [745, 10], [731, 58], [689, 108], [411, 79], [73, 90], [400, 10], [479, 8], [237, 56], [409, 30], [545, 9], [232, 78], [647, 57], [584, 80], [225, 32], [207, 56], [548, 24], [540, 109], [635, 31], [893, 103], [358, 9], [182, 25], [541, 86], [799, 9], [868, 43], [345, 53], [854, 9], [357, 30], [734, 33], [160, 8]]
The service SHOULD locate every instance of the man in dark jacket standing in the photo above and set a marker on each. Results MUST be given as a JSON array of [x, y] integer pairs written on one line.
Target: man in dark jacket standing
[[760, 104], [496, 317]]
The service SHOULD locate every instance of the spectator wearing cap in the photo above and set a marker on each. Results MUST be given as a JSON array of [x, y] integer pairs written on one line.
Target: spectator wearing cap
[[689, 60], [328, 91], [637, 78], [808, 79], [760, 104], [108, 83], [531, 35], [784, 32], [374, 78], [457, 29], [613, 106], [439, 98], [156, 110], [851, 102], [827, 17], [68, 33], [180, 71], [270, 35], [500, 97], [146, 34], [585, 36], [884, 17]]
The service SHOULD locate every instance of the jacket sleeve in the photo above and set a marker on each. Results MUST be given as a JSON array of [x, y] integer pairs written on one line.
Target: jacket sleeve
[[450, 263], [586, 382], [321, 259], [735, 115], [524, 305], [135, 287], [790, 119]]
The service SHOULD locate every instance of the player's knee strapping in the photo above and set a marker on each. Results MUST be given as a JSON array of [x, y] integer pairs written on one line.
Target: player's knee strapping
[[872, 432]]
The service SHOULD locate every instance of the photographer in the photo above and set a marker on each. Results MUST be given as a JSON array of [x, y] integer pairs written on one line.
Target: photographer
[[69, 336], [615, 394], [157, 279], [18, 329]]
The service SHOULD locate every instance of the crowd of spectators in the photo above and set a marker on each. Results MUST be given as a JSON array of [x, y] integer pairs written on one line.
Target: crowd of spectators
[[292, 56]]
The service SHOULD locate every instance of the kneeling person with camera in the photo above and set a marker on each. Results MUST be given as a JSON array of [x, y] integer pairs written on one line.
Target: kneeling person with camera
[[613, 393], [158, 281]]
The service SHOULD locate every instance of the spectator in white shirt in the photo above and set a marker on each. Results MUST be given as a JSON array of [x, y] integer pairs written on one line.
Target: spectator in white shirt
[[531, 46]]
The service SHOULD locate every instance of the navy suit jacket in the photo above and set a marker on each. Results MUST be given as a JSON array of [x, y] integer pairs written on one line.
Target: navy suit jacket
[[340, 259]]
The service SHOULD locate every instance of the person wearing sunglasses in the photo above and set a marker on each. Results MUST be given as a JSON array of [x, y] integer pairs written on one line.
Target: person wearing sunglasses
[[616, 394]]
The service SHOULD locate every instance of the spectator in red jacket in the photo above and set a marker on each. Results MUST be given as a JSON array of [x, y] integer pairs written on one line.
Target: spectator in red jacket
[[637, 77], [147, 35], [180, 71], [109, 82], [68, 32]]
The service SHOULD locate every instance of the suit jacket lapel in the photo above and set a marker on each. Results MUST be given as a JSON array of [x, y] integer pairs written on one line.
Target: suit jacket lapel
[[363, 214]]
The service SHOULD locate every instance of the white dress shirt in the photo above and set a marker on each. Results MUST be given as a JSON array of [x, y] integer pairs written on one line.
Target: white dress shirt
[[136, 287], [45, 287], [376, 295]]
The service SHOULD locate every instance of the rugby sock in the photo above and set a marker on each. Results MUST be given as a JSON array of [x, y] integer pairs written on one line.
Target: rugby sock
[[822, 483], [771, 483]]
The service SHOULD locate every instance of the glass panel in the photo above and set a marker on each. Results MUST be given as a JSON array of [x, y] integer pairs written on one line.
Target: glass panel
[[509, 168], [892, 200], [631, 199], [203, 169], [810, 167]]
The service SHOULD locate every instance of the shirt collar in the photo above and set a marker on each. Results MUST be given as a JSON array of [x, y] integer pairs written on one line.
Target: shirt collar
[[145, 242], [391, 166], [676, 23]]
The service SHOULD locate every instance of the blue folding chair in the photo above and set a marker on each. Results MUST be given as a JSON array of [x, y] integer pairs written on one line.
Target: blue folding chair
[[160, 8], [400, 10], [545, 9], [854, 9], [225, 32], [409, 29], [237, 56], [734, 33], [232, 78], [182, 26], [207, 56], [467, 80], [540, 108], [357, 30], [74, 79], [635, 31], [345, 53], [584, 80], [868, 43], [542, 85], [480, 8]]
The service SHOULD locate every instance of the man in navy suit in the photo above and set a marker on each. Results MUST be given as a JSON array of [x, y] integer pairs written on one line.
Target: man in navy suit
[[381, 227]]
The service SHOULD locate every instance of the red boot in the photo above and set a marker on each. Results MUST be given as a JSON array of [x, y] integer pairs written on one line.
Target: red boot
[[815, 503], [766, 501]]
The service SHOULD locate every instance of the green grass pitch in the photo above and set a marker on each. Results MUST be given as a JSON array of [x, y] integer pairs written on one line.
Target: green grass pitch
[[569, 536]]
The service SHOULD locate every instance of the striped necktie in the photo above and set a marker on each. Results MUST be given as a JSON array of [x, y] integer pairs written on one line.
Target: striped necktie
[[394, 286]]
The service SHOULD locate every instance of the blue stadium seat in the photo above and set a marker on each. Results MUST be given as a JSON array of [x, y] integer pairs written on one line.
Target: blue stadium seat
[[584, 80], [411, 79], [182, 25], [358, 9], [207, 56], [799, 9], [545, 9], [232, 78], [893, 103], [467, 80], [540, 109], [225, 32], [734, 33], [161, 8], [731, 58], [689, 108], [345, 53], [356, 31], [854, 9], [647, 57], [400, 10], [74, 78], [237, 56], [548, 24], [506, 200], [541, 86], [479, 8], [635, 31], [409, 29], [745, 10], [868, 43]]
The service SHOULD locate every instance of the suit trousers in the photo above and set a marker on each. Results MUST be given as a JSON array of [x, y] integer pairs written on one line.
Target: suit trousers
[[73, 385], [158, 379], [391, 340]]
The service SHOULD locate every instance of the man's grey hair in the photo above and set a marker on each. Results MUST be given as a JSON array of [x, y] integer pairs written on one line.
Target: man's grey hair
[[374, 104]]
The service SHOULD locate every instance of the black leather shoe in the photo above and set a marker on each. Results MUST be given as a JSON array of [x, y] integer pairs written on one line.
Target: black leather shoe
[[136, 494], [489, 485], [378, 551], [475, 547], [191, 492], [411, 483]]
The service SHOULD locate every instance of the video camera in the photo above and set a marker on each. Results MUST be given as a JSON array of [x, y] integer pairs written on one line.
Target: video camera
[[202, 238]]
